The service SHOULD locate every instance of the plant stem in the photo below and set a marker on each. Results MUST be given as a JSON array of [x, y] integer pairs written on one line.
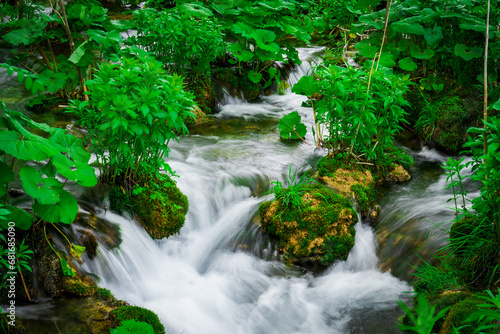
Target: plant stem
[[485, 109]]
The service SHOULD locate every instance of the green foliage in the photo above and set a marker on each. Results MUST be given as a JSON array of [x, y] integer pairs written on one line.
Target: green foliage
[[459, 317], [434, 279], [64, 155], [291, 195], [191, 38], [424, 318], [261, 33], [91, 29], [416, 35], [487, 316], [290, 126], [139, 314], [131, 326], [104, 294], [360, 118], [135, 111]]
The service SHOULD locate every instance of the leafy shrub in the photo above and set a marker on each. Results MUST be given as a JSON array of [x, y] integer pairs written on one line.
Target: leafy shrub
[[139, 314], [191, 38], [135, 111]]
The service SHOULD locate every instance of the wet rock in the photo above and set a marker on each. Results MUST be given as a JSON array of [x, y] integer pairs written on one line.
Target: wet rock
[[320, 230], [48, 272], [397, 175]]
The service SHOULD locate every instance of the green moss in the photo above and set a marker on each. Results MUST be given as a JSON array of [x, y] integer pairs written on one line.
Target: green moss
[[458, 314], [139, 314], [104, 294], [319, 230], [249, 88], [204, 93], [365, 196], [445, 300], [82, 287], [337, 248], [160, 206]]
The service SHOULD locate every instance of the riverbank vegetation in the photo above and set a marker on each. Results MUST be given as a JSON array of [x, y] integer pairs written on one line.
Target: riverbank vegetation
[[133, 78]]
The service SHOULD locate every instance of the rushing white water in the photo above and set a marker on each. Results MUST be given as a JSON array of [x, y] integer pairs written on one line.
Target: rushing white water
[[206, 280]]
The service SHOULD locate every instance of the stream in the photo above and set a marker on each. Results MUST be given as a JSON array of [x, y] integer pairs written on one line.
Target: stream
[[222, 275]]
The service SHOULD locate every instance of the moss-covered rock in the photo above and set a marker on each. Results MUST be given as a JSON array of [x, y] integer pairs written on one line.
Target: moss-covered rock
[[157, 204], [321, 230], [161, 207], [397, 174], [79, 286], [200, 117], [458, 314], [139, 314], [48, 272]]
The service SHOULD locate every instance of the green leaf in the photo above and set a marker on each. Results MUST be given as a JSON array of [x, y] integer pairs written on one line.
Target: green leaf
[[433, 36], [474, 52], [290, 126], [263, 38], [6, 174], [496, 105], [80, 172], [63, 211], [254, 77], [406, 28], [367, 4], [66, 269], [22, 219], [419, 54], [306, 86], [387, 60], [30, 147], [76, 251], [407, 64], [45, 190], [368, 47], [71, 145], [245, 55], [77, 55], [51, 80]]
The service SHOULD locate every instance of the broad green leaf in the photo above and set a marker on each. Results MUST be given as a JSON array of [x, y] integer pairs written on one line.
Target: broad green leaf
[[461, 50], [407, 64], [80, 172], [387, 60], [26, 35], [419, 54], [406, 28], [290, 126], [272, 72], [254, 77], [76, 251], [368, 47], [6, 174], [433, 36], [22, 219], [77, 55], [63, 211], [71, 145], [29, 147], [306, 86], [244, 55], [45, 190], [66, 269], [51, 80], [264, 39], [496, 105], [367, 4]]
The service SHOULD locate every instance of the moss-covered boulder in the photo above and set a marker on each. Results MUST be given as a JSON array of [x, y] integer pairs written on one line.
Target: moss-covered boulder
[[157, 204], [204, 93], [397, 174], [320, 229], [458, 314]]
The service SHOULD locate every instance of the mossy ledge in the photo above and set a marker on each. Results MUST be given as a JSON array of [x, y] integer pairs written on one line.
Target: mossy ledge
[[321, 232], [157, 204]]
